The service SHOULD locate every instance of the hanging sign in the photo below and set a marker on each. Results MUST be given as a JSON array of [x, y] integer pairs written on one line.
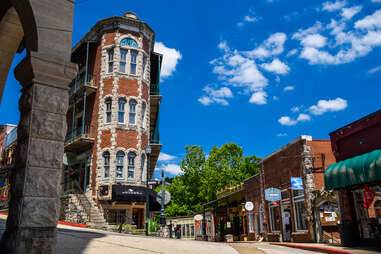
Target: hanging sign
[[249, 206], [198, 217], [272, 194], [369, 195], [296, 183]]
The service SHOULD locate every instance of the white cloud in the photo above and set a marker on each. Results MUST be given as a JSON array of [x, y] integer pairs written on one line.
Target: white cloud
[[216, 96], [324, 106], [333, 6], [314, 40], [270, 47], [375, 69], [286, 120], [276, 66], [172, 169], [166, 157], [171, 58], [282, 134], [296, 109], [250, 19], [292, 52], [288, 88], [370, 22], [275, 98], [348, 13], [259, 98]]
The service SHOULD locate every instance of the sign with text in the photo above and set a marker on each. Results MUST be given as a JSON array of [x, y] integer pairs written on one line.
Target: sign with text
[[272, 194], [296, 183]]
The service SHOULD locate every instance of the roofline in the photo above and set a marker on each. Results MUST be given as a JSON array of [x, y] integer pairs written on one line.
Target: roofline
[[247, 179], [357, 121], [115, 21], [302, 137]]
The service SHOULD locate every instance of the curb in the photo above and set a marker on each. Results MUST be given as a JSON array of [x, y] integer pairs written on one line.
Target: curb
[[72, 224], [314, 248]]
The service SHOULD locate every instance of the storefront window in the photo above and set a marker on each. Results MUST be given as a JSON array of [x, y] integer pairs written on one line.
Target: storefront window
[[251, 228], [115, 216], [300, 210], [274, 218]]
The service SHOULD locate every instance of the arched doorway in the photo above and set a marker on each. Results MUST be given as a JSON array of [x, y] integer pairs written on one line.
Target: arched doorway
[[43, 28]]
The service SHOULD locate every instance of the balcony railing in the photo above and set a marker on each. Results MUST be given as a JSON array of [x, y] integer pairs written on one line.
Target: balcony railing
[[77, 133], [10, 138], [155, 137], [155, 89], [79, 82]]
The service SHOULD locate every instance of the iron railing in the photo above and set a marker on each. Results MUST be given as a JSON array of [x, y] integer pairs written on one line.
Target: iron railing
[[155, 89], [82, 131], [79, 82], [155, 136]]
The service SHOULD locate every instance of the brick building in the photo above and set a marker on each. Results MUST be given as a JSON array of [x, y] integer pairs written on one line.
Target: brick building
[[113, 117], [357, 178], [297, 215]]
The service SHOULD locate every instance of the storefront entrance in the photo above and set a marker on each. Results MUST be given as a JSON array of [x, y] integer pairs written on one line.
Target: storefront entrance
[[138, 217]]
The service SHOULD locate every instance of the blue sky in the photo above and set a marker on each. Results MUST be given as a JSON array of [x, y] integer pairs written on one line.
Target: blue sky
[[258, 73]]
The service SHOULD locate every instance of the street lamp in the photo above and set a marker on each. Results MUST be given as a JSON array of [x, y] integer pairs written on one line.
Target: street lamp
[[148, 152]]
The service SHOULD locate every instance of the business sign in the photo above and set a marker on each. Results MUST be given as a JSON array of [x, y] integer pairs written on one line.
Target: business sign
[[198, 217], [167, 197], [249, 206], [272, 194], [296, 183]]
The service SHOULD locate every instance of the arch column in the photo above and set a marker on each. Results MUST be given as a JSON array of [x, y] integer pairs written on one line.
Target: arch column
[[36, 177]]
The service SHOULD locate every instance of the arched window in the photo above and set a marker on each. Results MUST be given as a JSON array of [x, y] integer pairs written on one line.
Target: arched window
[[132, 111], [106, 165], [144, 66], [143, 114], [142, 166], [119, 173], [121, 109], [108, 104], [131, 166], [133, 62], [129, 42]]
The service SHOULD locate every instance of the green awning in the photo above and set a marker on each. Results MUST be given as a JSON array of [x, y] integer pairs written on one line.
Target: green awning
[[361, 169]]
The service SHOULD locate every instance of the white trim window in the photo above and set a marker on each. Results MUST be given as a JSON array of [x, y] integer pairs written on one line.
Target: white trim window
[[133, 61], [131, 166], [108, 109], [123, 60], [132, 111], [142, 167], [300, 212], [251, 223], [110, 60], [144, 66], [274, 218], [106, 165], [119, 172], [143, 114], [121, 110]]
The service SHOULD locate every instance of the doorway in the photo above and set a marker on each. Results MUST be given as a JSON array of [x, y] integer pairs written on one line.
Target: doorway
[[137, 217], [286, 219]]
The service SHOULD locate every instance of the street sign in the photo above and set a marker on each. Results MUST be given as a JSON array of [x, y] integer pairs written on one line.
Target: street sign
[[167, 197], [249, 206], [272, 194], [296, 183]]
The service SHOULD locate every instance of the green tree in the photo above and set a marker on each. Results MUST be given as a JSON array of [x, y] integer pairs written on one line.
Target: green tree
[[202, 177]]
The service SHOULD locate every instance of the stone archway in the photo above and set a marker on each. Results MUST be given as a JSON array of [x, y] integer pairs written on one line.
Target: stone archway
[[44, 28]]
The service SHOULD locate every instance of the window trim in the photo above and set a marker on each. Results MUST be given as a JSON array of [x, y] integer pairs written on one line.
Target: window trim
[[122, 101], [131, 51], [104, 166], [271, 221], [123, 167], [125, 60], [108, 100], [110, 60], [130, 113], [300, 200], [131, 165]]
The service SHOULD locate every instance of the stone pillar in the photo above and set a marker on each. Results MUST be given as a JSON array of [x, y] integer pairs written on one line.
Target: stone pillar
[[35, 182]]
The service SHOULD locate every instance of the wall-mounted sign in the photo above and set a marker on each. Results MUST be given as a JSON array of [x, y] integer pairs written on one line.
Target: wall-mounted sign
[[296, 183], [272, 194], [249, 206], [167, 197], [198, 217]]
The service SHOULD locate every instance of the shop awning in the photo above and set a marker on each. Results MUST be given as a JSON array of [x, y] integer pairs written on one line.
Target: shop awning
[[128, 193], [361, 169]]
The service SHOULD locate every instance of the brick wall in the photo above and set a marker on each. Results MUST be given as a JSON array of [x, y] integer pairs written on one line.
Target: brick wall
[[127, 139], [128, 87]]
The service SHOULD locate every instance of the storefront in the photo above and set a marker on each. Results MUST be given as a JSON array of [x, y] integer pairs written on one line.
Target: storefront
[[359, 182], [228, 215], [183, 227]]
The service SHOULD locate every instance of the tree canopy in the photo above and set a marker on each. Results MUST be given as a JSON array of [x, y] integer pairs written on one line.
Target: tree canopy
[[203, 175]]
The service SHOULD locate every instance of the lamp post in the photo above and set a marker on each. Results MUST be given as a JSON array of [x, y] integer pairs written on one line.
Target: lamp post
[[162, 215], [148, 152]]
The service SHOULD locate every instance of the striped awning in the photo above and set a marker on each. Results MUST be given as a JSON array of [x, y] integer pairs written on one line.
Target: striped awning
[[365, 168]]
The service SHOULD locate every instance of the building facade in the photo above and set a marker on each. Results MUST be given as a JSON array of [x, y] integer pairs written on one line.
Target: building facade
[[357, 178], [297, 215], [113, 117]]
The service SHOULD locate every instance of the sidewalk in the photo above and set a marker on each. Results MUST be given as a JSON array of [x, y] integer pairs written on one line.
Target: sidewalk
[[326, 248]]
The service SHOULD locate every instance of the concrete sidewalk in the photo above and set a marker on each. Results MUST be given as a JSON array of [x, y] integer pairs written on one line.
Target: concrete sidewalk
[[326, 248]]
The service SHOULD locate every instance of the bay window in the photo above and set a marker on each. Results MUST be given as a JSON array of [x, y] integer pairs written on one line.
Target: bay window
[[119, 172], [132, 112], [131, 166], [121, 107], [133, 61]]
